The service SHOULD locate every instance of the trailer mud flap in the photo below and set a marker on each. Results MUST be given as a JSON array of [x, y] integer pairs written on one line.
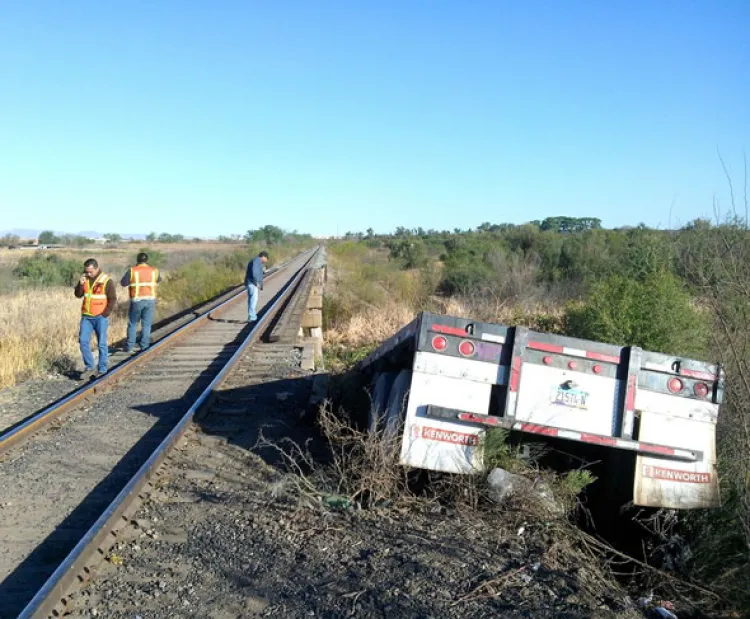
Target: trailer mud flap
[[438, 444], [664, 482]]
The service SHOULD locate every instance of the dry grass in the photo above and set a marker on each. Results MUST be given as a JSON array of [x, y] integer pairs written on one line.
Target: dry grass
[[534, 315], [372, 325], [368, 299], [39, 332]]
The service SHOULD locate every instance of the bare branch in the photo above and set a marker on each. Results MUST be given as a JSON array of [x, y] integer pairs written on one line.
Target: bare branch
[[729, 182]]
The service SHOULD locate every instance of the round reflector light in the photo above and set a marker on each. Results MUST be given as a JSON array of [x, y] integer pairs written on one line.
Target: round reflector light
[[439, 343], [674, 385], [547, 360], [701, 390], [466, 348], [572, 365], [597, 369]]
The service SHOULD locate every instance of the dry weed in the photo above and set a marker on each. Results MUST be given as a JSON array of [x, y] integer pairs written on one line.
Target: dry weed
[[536, 316], [39, 332], [373, 325]]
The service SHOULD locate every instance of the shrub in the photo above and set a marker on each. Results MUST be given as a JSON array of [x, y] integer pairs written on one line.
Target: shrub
[[156, 258], [48, 270], [197, 282], [655, 313]]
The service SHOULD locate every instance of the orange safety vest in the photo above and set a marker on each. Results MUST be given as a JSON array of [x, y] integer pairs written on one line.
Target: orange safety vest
[[95, 295], [143, 281]]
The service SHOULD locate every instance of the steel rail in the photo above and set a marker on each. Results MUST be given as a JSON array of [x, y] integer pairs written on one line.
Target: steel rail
[[49, 596], [18, 432]]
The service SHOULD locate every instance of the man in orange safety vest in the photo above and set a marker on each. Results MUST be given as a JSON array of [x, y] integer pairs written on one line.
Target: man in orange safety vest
[[97, 290], [142, 281]]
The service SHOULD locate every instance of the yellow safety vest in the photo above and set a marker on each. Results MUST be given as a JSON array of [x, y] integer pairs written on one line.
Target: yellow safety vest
[[95, 296], [143, 281]]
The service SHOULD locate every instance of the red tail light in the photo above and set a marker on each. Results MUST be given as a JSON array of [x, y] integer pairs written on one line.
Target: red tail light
[[572, 365], [466, 348], [597, 369], [439, 343], [547, 360], [701, 390], [674, 385]]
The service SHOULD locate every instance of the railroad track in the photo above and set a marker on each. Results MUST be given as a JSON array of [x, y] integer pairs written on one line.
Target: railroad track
[[166, 334], [63, 491]]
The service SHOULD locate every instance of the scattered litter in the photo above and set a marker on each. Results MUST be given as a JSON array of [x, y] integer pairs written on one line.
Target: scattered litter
[[115, 559], [337, 501]]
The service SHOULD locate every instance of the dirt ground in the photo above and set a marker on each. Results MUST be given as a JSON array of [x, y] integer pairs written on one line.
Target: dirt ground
[[226, 533]]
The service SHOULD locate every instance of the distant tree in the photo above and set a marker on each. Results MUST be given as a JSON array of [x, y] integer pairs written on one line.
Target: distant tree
[[113, 237], [271, 235], [698, 224], [74, 240], [48, 238], [402, 231], [570, 224], [370, 233], [151, 237], [10, 239]]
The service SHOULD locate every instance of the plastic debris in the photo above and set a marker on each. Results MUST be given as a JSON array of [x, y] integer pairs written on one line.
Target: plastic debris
[[337, 502]]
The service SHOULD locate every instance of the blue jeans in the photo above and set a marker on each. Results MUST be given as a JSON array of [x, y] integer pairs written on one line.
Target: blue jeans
[[141, 310], [252, 301], [98, 325]]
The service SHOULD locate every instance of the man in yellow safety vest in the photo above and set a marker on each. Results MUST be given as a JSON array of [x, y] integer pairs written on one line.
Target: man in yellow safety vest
[[142, 281], [97, 290]]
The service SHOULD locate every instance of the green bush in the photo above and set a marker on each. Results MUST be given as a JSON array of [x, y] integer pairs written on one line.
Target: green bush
[[655, 313], [48, 270], [156, 258], [411, 252], [237, 260], [497, 452], [467, 276]]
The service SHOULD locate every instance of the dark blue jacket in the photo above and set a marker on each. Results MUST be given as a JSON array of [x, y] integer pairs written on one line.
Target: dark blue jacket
[[254, 273]]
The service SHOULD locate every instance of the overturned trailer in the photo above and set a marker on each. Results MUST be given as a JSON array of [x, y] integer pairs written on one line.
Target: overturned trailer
[[444, 380]]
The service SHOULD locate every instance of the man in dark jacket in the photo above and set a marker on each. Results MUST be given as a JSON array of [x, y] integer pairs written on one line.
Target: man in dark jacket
[[99, 299], [253, 282]]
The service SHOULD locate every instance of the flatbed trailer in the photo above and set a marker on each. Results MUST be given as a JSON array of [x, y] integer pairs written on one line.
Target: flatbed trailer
[[443, 381]]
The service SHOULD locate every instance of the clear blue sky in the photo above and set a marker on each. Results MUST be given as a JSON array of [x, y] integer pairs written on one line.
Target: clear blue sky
[[207, 118]]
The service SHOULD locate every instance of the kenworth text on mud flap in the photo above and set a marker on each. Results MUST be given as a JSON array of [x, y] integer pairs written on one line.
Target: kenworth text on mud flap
[[446, 380]]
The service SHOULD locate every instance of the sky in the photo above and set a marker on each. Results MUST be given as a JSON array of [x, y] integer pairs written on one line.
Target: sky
[[325, 116]]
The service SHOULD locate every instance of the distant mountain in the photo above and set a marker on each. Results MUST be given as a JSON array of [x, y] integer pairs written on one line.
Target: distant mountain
[[24, 233]]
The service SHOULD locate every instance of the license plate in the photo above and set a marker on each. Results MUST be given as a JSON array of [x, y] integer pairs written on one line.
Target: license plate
[[573, 398]]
